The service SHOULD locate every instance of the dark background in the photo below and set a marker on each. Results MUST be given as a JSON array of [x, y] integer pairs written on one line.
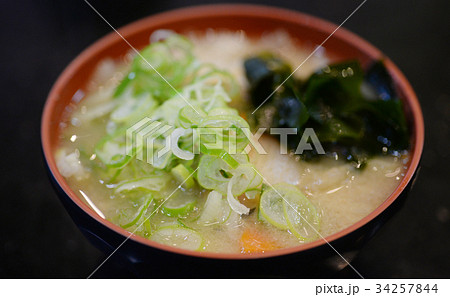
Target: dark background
[[39, 38]]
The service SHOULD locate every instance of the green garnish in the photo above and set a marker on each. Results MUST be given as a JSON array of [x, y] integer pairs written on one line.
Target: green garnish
[[183, 175], [198, 116], [178, 236], [285, 207]]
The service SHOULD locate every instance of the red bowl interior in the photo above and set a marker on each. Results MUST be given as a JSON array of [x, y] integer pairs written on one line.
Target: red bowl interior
[[254, 20]]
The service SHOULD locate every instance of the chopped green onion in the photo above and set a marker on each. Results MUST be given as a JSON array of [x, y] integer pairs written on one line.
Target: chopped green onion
[[285, 207], [183, 175], [223, 111], [180, 205], [215, 211], [301, 215], [201, 103], [142, 209], [271, 209], [152, 183], [190, 117], [179, 237], [235, 205]]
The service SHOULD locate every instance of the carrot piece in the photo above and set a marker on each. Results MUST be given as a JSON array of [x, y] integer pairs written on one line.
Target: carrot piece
[[254, 242]]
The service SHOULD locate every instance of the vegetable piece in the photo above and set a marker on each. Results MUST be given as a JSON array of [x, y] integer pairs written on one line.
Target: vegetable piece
[[285, 207], [220, 153], [190, 117], [235, 205], [228, 159], [301, 215], [380, 82], [153, 183], [179, 237], [264, 73], [254, 242], [223, 111], [227, 129], [214, 174], [179, 205], [183, 174], [169, 61], [336, 87], [142, 209], [386, 119], [215, 211], [70, 164], [111, 150], [215, 77], [246, 178], [292, 113], [132, 109], [284, 108], [206, 96], [271, 208], [169, 110]]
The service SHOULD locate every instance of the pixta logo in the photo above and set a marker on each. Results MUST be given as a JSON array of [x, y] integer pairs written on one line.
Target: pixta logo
[[153, 141]]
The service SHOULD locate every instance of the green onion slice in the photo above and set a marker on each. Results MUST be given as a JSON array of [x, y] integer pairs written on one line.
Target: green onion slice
[[179, 237]]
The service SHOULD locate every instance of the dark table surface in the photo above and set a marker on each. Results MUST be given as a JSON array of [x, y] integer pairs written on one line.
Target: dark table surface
[[39, 38]]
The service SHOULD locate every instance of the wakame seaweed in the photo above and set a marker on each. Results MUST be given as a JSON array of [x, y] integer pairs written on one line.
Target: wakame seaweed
[[356, 114]]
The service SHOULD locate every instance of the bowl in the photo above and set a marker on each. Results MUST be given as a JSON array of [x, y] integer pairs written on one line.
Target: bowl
[[138, 252]]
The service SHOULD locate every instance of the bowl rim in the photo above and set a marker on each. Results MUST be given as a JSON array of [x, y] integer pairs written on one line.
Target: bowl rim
[[261, 11]]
